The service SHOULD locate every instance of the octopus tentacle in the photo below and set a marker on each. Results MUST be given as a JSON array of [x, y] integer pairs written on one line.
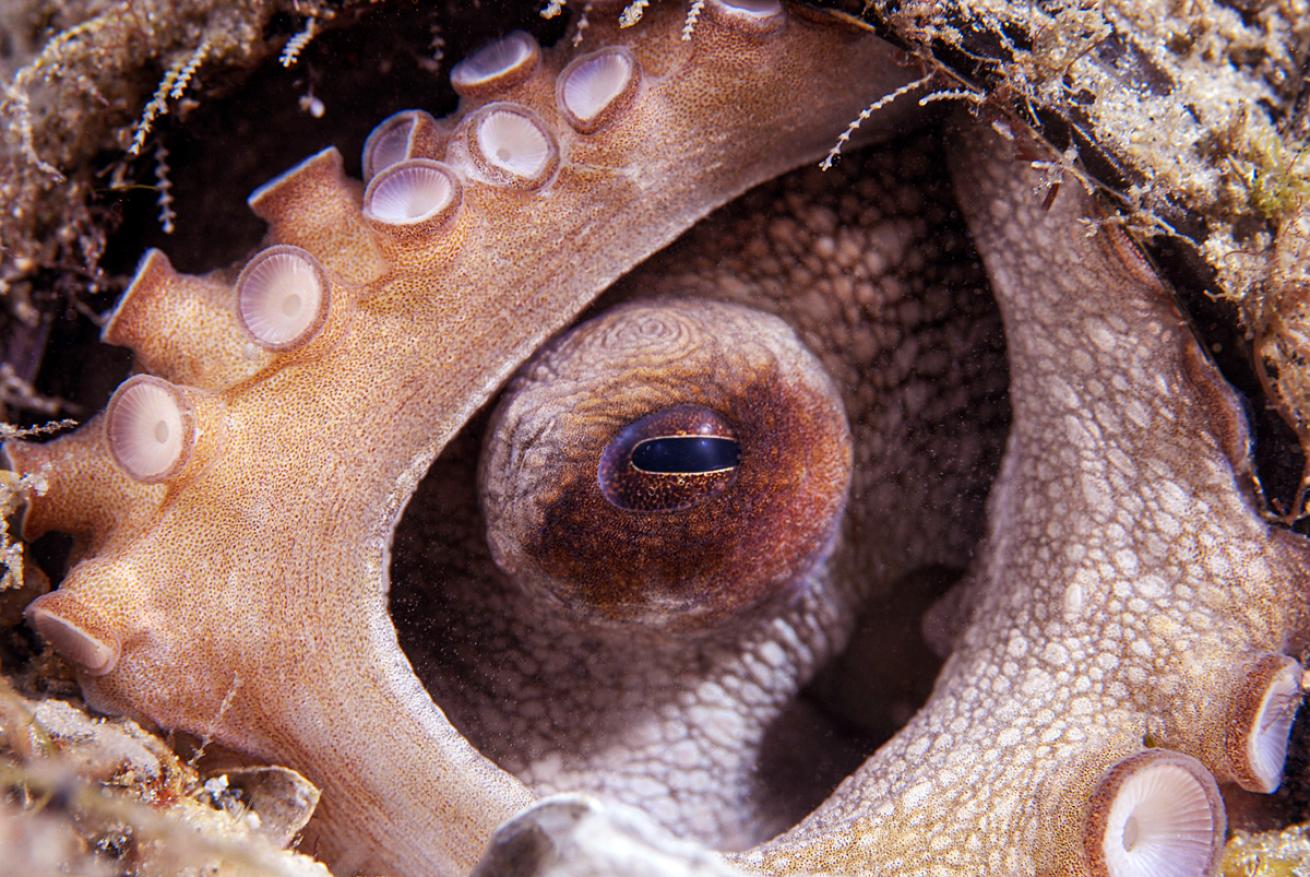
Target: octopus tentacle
[[1101, 604], [283, 637], [86, 494], [158, 315], [234, 510]]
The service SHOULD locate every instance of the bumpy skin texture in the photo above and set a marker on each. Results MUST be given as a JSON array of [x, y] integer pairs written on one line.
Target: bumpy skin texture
[[260, 574], [1126, 587], [705, 732], [1099, 611], [733, 547]]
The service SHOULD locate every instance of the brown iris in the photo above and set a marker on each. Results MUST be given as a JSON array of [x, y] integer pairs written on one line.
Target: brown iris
[[670, 460]]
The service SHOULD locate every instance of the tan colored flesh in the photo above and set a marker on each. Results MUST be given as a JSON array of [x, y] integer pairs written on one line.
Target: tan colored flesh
[[261, 580], [1119, 527]]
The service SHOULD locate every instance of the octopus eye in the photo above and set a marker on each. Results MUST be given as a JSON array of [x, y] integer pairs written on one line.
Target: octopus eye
[[686, 455], [670, 460], [671, 466]]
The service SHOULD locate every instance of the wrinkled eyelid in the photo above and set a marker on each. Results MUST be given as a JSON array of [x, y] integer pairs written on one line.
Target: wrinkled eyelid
[[688, 544]]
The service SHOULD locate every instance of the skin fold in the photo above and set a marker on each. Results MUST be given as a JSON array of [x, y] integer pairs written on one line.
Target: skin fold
[[1089, 470]]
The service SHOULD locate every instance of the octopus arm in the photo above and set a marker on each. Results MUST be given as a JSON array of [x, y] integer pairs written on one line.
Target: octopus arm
[[287, 439], [1126, 593]]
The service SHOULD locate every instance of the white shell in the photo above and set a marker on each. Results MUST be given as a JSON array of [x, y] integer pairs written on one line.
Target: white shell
[[150, 428], [1266, 745], [411, 192], [282, 297], [593, 83], [512, 145], [499, 63], [1160, 824]]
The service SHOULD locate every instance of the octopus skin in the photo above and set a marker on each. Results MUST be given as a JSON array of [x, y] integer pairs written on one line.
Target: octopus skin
[[1127, 635], [706, 731]]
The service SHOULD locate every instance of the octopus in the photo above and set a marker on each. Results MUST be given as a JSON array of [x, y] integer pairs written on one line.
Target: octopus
[[521, 469]]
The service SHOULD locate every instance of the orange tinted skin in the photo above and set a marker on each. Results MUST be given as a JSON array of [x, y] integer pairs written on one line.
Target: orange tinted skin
[[270, 563], [1100, 607]]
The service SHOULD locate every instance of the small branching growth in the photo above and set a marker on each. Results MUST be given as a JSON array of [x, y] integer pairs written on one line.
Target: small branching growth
[[174, 84], [73, 786], [865, 114], [633, 12], [1267, 854], [167, 217], [1187, 103], [89, 90], [693, 15], [291, 51], [1275, 173], [14, 490]]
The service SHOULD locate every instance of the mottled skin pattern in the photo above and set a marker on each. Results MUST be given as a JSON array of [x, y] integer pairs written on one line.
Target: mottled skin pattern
[[277, 616], [706, 733], [1124, 586]]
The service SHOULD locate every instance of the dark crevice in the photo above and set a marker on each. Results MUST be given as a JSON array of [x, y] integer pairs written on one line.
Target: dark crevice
[[1276, 453]]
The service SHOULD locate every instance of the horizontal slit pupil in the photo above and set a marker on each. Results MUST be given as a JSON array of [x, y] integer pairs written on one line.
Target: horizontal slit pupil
[[686, 454]]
